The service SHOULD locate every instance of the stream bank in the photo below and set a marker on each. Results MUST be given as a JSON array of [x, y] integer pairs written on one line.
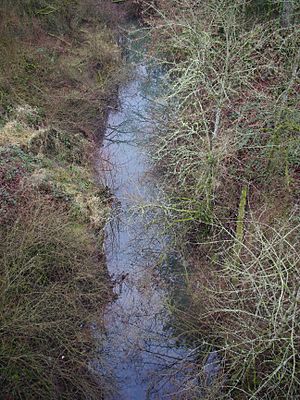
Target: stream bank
[[227, 155], [59, 68]]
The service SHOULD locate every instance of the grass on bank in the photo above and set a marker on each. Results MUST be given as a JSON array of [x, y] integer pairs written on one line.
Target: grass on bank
[[53, 287], [66, 76], [229, 154], [58, 72]]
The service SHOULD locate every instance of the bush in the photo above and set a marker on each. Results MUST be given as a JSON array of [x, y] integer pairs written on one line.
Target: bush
[[57, 71], [245, 305], [232, 90], [226, 149]]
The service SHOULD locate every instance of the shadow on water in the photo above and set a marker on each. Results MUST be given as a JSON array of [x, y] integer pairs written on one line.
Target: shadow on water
[[143, 355]]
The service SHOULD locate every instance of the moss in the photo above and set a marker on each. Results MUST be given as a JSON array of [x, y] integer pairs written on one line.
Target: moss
[[55, 163], [60, 146], [240, 224], [73, 184], [13, 133]]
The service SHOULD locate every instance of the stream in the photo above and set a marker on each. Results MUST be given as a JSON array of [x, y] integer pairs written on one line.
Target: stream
[[140, 348]]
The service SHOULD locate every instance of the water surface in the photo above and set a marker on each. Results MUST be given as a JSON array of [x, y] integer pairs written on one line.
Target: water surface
[[140, 347]]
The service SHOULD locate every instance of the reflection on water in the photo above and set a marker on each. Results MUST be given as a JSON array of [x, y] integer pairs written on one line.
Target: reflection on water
[[140, 349]]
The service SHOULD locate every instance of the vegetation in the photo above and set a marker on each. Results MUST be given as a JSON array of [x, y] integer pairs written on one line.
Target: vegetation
[[58, 72], [228, 156], [53, 287], [227, 151]]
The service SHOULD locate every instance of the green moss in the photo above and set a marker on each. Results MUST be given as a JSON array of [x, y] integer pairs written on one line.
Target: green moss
[[71, 184], [241, 219], [60, 146], [54, 163]]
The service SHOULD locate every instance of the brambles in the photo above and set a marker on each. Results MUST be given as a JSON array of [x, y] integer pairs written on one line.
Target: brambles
[[227, 154], [244, 303]]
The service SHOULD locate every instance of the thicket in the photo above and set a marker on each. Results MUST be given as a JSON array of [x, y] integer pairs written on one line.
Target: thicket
[[227, 148], [58, 68]]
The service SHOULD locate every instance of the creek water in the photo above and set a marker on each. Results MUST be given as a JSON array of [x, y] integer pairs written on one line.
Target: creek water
[[140, 349]]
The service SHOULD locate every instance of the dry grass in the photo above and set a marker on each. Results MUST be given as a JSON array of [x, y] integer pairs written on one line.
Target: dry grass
[[67, 75], [52, 288], [57, 73]]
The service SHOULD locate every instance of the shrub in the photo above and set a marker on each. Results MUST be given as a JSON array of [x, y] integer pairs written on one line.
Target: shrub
[[232, 91], [245, 305], [226, 152], [56, 73]]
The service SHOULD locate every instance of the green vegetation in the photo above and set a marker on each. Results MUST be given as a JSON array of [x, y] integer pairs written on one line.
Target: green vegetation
[[228, 155], [58, 68]]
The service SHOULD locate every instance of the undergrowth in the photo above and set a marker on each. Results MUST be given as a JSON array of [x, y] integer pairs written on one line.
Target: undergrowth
[[67, 75], [227, 152], [53, 287], [59, 69]]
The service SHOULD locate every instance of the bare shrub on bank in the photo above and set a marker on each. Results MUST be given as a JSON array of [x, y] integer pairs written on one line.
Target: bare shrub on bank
[[229, 140], [246, 306]]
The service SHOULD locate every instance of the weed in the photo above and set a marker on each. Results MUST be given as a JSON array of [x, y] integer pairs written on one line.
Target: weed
[[57, 71]]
